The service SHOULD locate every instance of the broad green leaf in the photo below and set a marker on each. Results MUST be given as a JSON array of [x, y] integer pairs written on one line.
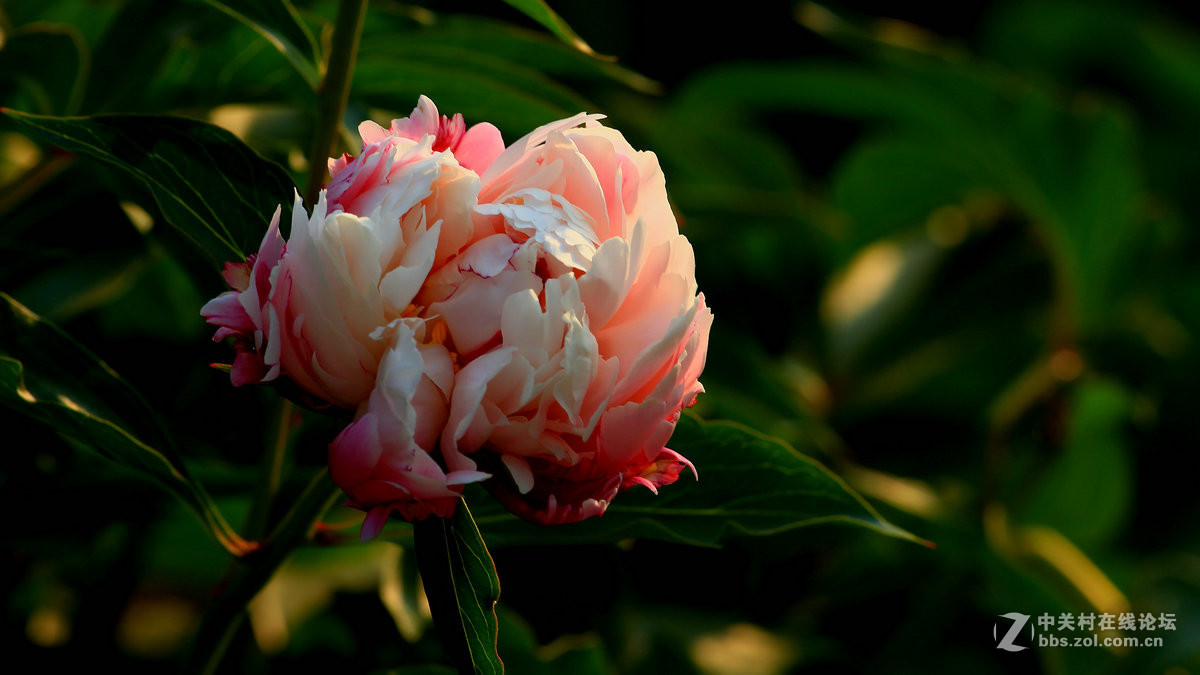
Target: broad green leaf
[[64, 291], [891, 185], [164, 284], [235, 66], [48, 376], [136, 40], [118, 287], [837, 90], [493, 39], [540, 12], [1072, 171], [210, 185], [521, 80], [1104, 213], [462, 587], [513, 98], [1086, 492], [277, 21], [750, 486]]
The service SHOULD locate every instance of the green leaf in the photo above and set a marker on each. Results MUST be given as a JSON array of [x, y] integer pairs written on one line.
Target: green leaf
[[513, 98], [750, 486], [61, 292], [210, 185], [540, 12], [526, 47], [132, 46], [48, 376], [836, 90], [462, 587], [277, 21], [232, 67], [412, 60], [1086, 492], [494, 39], [892, 185]]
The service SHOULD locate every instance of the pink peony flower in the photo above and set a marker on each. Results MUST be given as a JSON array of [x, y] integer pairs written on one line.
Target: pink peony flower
[[578, 322], [382, 459], [347, 273], [543, 317], [387, 218], [245, 313], [333, 307]]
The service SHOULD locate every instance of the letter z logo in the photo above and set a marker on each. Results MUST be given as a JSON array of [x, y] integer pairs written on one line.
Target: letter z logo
[[1019, 621]]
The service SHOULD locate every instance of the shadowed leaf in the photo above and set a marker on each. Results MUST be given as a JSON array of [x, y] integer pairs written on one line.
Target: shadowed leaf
[[276, 20], [48, 376], [750, 486], [462, 587], [208, 184]]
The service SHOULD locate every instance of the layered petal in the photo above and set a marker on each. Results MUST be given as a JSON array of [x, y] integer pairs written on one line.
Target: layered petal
[[574, 378], [383, 460], [245, 314]]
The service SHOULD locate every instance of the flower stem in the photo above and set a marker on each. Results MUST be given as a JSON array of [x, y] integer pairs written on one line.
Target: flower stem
[[270, 474], [334, 91], [226, 614]]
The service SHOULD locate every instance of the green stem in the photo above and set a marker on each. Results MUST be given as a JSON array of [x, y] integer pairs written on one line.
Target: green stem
[[270, 474], [226, 613], [334, 91]]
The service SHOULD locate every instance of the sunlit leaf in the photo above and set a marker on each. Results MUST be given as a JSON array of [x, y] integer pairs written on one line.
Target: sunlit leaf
[[462, 587], [210, 185], [51, 378], [540, 12]]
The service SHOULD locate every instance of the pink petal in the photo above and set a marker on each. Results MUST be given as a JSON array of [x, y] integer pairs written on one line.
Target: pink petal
[[374, 522], [479, 147]]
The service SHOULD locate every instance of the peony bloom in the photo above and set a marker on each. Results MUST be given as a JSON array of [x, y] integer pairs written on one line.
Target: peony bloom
[[381, 460], [245, 314], [387, 218], [578, 323], [332, 309], [534, 308]]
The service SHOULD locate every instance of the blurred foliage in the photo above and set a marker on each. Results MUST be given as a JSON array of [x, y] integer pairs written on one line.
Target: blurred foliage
[[952, 255]]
